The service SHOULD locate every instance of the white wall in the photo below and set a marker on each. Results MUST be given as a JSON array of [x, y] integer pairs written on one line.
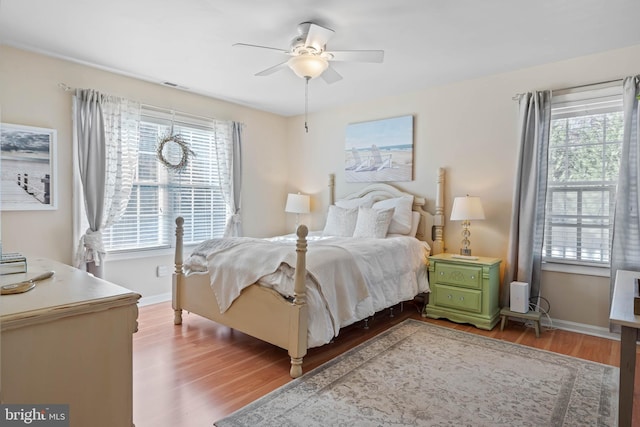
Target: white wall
[[470, 129], [29, 95]]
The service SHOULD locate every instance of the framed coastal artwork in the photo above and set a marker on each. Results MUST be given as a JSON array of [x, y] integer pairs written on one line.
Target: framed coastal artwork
[[380, 150], [27, 168]]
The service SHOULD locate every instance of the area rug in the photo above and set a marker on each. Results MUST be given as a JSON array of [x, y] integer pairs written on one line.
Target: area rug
[[419, 374]]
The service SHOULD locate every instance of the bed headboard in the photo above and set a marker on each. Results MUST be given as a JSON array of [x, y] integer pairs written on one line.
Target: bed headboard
[[431, 227]]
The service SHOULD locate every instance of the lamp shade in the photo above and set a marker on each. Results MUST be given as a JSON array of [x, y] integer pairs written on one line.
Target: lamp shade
[[297, 203], [308, 66], [466, 209]]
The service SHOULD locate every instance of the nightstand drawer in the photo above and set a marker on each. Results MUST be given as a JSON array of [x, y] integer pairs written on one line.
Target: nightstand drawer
[[459, 275], [458, 298]]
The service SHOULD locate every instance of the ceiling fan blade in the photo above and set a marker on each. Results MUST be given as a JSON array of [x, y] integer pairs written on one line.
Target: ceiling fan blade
[[356, 55], [317, 36], [272, 70], [330, 75], [261, 47]]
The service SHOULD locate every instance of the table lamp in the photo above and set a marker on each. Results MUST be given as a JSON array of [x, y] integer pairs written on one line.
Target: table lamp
[[298, 204], [466, 209]]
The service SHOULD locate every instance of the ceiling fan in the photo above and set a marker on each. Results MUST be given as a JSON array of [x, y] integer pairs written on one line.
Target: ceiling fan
[[309, 57]]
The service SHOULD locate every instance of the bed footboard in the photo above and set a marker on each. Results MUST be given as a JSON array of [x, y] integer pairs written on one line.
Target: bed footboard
[[259, 311]]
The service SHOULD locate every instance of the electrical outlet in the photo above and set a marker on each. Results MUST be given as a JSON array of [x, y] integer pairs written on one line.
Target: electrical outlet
[[163, 270]]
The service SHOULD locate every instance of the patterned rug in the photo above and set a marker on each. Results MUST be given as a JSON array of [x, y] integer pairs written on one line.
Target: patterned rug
[[418, 374]]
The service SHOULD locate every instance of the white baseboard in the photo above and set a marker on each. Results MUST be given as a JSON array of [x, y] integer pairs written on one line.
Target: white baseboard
[[154, 299], [581, 328]]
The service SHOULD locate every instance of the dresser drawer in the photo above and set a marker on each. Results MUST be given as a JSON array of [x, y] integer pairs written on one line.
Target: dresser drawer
[[459, 275], [458, 298]]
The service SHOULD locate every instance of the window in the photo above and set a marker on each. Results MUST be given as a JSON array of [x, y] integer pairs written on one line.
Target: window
[[160, 194], [584, 157]]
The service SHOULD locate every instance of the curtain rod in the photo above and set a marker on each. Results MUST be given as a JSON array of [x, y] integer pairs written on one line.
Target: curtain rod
[[65, 87], [518, 95]]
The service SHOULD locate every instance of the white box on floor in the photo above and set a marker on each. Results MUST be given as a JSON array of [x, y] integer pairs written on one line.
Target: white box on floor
[[519, 297]]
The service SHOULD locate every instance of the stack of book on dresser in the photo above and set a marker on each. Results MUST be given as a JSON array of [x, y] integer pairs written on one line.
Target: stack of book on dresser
[[13, 262]]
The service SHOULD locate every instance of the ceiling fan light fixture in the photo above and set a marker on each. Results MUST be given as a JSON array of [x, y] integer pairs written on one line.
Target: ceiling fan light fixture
[[308, 66]]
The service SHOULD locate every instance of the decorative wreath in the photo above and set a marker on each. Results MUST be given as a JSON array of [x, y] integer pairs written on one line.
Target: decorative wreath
[[186, 152]]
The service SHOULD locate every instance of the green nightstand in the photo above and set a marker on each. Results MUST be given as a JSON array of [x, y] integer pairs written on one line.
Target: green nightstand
[[464, 290]]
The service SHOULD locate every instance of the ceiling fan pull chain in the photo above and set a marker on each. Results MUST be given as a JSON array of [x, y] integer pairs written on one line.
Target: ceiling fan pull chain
[[306, 103]]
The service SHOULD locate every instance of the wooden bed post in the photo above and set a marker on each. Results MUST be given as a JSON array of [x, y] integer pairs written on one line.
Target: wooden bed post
[[298, 326], [332, 189], [438, 218], [178, 275]]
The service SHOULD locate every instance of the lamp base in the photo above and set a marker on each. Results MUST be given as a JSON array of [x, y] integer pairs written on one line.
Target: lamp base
[[465, 244]]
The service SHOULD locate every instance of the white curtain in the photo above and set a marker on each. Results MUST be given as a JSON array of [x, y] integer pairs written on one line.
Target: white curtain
[[232, 191], [524, 256], [106, 136], [625, 243]]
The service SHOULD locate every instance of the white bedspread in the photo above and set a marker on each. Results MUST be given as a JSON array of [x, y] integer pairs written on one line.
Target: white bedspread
[[347, 279]]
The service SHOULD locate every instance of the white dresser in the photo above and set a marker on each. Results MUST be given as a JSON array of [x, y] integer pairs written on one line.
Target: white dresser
[[69, 341], [622, 314]]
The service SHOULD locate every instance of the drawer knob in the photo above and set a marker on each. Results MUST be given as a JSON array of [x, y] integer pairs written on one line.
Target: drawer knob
[[473, 277], [442, 273], [461, 298], [449, 296]]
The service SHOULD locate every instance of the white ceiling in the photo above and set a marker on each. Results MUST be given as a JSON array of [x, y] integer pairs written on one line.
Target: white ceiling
[[426, 42]]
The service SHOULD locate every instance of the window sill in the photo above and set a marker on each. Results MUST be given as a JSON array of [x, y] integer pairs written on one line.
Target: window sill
[[141, 254], [576, 269]]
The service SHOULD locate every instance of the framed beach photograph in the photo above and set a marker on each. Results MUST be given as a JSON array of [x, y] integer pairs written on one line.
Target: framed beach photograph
[[27, 168], [380, 150]]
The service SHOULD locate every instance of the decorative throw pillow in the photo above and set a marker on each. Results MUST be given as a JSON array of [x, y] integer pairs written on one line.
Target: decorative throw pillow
[[340, 222], [373, 222], [365, 202], [402, 217]]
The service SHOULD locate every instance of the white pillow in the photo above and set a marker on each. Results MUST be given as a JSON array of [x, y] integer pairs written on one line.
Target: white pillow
[[340, 222], [403, 214], [373, 222], [415, 222], [365, 202]]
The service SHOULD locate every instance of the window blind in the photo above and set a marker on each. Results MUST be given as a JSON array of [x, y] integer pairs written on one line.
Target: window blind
[[160, 194], [584, 157]]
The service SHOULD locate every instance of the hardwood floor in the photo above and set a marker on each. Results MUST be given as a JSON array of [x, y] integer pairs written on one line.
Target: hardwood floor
[[199, 372]]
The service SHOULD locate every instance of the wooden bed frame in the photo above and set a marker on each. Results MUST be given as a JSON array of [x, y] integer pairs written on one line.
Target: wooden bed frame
[[262, 312]]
